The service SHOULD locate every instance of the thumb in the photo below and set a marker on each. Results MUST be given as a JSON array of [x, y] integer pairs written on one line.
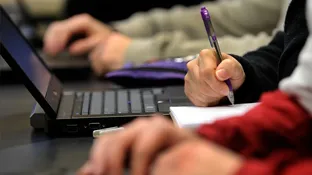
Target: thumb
[[229, 69]]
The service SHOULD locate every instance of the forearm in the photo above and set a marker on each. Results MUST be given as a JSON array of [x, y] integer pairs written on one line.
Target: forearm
[[230, 18], [174, 44]]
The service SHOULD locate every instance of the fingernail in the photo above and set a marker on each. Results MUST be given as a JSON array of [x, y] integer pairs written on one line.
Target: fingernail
[[225, 92], [221, 74]]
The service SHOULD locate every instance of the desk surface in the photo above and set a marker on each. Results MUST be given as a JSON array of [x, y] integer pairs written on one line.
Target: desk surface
[[23, 150]]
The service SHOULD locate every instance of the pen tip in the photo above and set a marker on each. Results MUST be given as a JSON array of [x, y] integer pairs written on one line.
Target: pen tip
[[231, 97]]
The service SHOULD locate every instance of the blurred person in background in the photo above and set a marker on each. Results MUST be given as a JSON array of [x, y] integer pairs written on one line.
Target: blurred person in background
[[241, 25]]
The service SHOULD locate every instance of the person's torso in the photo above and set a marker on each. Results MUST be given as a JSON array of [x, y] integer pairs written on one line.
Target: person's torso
[[296, 33]]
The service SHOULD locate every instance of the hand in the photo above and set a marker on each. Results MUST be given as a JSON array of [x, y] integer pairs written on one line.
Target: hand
[[109, 54], [198, 158], [143, 139], [59, 33], [204, 81]]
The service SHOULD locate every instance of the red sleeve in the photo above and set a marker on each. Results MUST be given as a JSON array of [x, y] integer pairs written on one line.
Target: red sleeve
[[277, 122]]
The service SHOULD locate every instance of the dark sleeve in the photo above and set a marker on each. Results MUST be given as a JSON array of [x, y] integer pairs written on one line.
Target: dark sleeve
[[261, 69]]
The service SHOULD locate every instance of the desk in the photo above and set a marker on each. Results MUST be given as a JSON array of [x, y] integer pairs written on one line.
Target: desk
[[23, 150]]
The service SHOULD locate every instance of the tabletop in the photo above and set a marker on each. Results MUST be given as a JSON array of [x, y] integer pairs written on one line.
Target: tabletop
[[26, 151]]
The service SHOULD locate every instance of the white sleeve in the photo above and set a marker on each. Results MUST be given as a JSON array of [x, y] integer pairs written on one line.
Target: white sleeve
[[299, 84]]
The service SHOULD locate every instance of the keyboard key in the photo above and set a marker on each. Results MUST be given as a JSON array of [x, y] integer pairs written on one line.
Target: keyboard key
[[96, 103], [66, 106], [86, 104], [148, 101], [179, 99], [174, 91], [157, 91], [162, 98], [163, 107], [122, 101], [136, 102], [182, 104], [109, 102], [78, 103]]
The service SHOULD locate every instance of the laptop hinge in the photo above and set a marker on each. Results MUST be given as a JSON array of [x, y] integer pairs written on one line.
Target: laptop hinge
[[54, 95]]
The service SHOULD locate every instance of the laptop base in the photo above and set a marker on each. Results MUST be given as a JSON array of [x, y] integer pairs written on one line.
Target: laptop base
[[78, 127]]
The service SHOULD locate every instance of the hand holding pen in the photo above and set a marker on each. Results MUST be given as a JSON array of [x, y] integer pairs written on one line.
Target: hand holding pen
[[212, 75]]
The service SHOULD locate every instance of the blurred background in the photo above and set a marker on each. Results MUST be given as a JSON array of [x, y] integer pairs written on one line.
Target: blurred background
[[32, 16]]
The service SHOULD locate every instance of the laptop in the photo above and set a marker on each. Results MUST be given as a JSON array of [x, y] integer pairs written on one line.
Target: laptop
[[79, 112]]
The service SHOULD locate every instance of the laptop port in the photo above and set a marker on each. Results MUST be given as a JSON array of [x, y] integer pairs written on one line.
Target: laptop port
[[94, 125], [71, 128]]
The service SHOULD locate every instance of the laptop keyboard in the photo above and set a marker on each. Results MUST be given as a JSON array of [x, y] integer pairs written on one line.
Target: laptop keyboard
[[121, 101]]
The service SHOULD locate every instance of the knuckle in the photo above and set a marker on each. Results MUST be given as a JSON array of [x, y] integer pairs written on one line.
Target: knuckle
[[84, 18], [55, 25], [191, 64], [187, 79], [205, 52]]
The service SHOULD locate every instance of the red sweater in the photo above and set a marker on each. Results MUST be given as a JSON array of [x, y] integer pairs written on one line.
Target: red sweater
[[275, 137]]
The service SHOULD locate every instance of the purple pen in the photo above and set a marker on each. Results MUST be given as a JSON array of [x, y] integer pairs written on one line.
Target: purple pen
[[212, 37]]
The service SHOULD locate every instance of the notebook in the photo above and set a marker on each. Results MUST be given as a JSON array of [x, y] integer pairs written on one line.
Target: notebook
[[191, 117]]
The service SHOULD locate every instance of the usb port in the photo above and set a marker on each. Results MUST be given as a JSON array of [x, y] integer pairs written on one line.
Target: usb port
[[94, 125], [71, 128]]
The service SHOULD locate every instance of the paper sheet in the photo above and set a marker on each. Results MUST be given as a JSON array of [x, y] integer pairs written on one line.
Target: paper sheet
[[192, 117]]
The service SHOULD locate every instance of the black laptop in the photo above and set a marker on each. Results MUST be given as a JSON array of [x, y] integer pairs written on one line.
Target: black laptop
[[79, 112]]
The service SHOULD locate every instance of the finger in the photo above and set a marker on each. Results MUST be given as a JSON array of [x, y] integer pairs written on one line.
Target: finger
[[85, 170], [200, 87], [84, 45], [95, 58], [55, 38], [58, 34], [229, 68], [207, 59], [200, 93], [108, 159], [151, 141], [193, 68], [79, 23], [189, 86], [207, 68]]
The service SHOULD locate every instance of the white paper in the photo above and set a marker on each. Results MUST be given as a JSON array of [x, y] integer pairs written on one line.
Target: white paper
[[192, 117]]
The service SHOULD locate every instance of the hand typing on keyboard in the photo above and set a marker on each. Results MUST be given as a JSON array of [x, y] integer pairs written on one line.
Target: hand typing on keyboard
[[157, 147]]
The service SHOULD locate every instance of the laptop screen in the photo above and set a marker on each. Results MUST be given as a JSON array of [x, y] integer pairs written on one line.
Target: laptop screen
[[24, 55]]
